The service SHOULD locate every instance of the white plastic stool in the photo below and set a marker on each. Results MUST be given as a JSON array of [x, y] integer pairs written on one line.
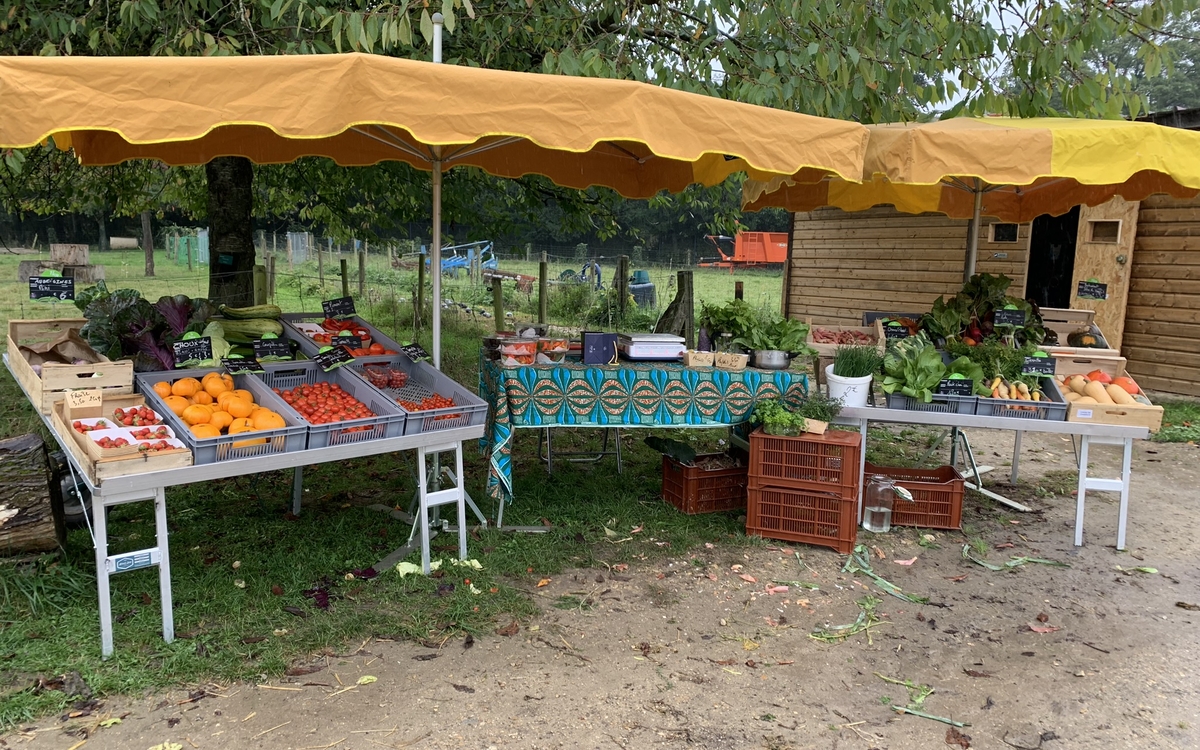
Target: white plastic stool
[[431, 499]]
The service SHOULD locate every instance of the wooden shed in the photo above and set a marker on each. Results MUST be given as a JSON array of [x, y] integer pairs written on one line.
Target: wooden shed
[[843, 264]]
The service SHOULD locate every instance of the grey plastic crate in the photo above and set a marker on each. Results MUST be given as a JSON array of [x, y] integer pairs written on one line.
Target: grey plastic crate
[[225, 448], [425, 381], [310, 347], [942, 403], [1054, 410], [388, 421]]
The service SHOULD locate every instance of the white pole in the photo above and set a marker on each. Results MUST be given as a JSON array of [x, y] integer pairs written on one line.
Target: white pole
[[435, 259], [973, 235]]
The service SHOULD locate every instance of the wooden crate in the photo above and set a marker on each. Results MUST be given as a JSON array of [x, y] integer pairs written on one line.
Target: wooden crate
[[1064, 322], [106, 468], [875, 331], [51, 386], [1135, 415]]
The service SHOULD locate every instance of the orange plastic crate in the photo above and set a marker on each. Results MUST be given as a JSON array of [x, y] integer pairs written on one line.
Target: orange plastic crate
[[694, 490], [937, 496], [821, 463], [798, 515]]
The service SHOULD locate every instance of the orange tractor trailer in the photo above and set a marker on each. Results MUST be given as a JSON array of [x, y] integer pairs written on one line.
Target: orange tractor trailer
[[749, 249]]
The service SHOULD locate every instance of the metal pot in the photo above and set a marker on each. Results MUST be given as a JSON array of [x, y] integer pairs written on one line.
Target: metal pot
[[771, 359]]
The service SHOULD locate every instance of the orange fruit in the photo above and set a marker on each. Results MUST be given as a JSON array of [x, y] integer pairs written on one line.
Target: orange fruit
[[209, 376], [265, 419], [221, 419], [238, 408], [227, 379], [214, 387], [196, 414], [205, 431], [240, 424], [244, 395], [185, 387], [176, 404], [223, 398], [162, 388], [202, 397]]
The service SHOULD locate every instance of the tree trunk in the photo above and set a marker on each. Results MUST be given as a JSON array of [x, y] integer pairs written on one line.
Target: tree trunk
[[230, 231], [102, 222], [148, 242], [680, 317], [29, 522]]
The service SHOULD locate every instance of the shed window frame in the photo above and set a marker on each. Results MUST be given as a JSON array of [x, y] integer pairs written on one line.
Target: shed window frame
[[1106, 239], [1016, 236]]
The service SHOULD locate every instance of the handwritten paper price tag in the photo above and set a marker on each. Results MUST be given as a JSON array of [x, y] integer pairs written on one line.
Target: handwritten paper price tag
[[335, 357], [52, 287], [342, 307], [91, 399]]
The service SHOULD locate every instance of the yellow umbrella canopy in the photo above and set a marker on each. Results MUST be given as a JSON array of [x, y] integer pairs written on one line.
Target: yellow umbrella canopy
[[359, 109], [1012, 169]]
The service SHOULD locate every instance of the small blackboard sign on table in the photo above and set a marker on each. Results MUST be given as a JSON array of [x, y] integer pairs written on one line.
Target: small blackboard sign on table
[[1015, 318], [342, 307], [335, 357], [51, 287], [957, 387], [278, 348], [415, 352], [1038, 366], [892, 333], [192, 350], [350, 342], [1092, 290], [235, 366]]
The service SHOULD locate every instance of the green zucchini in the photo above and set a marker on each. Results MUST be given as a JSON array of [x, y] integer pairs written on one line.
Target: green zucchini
[[257, 312]]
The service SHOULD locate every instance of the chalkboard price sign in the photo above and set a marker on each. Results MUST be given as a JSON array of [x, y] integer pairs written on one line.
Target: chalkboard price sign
[[1092, 290], [235, 366], [964, 387], [415, 352], [1015, 318], [334, 358], [192, 349], [277, 348], [342, 307], [891, 332], [51, 287], [350, 342], [1039, 366]]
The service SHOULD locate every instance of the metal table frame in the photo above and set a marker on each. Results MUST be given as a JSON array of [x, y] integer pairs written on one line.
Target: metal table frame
[[151, 486], [1089, 434]]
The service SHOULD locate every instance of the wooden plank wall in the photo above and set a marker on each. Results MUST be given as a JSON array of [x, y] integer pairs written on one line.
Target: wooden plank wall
[[843, 264], [1162, 320]]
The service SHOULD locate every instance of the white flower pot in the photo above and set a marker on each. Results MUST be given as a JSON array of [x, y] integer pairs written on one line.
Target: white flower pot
[[852, 391]]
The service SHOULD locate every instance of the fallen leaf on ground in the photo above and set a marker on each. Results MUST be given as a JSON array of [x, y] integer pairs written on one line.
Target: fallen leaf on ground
[[1043, 617], [509, 630], [747, 578], [955, 737], [543, 582], [463, 688], [777, 590], [636, 530], [367, 679], [879, 553], [110, 722], [976, 673], [1006, 545], [295, 611], [277, 590], [621, 567], [1043, 628], [905, 562], [1188, 605], [303, 670], [962, 577]]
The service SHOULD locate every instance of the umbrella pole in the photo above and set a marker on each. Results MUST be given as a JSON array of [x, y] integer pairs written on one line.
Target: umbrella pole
[[435, 263], [973, 235]]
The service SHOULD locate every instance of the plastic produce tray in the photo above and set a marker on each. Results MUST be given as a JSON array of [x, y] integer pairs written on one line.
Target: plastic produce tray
[[693, 489], [423, 382], [228, 447], [943, 403], [388, 421], [1054, 410], [310, 347], [821, 463], [937, 496], [797, 515]]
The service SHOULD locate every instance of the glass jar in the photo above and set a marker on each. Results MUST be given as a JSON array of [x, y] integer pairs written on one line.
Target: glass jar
[[879, 497]]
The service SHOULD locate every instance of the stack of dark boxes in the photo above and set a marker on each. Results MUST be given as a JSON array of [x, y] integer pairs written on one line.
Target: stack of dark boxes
[[805, 489]]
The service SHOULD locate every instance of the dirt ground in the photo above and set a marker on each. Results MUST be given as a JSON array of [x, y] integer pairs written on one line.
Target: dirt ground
[[693, 651]]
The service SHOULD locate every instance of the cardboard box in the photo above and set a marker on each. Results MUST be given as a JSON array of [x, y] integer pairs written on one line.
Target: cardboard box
[[56, 379]]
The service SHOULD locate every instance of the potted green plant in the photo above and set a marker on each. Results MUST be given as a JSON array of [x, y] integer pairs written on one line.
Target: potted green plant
[[849, 376], [775, 340], [813, 415]]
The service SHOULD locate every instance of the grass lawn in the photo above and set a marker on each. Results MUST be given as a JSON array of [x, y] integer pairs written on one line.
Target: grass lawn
[[248, 576]]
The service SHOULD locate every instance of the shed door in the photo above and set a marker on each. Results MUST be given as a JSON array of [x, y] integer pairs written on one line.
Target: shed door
[[1102, 253]]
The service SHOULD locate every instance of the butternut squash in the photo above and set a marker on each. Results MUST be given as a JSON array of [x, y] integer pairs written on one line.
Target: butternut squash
[[1071, 396], [1096, 391], [1085, 400], [1078, 383], [1119, 395]]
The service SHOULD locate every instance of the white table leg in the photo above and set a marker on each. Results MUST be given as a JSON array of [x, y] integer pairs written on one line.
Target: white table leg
[[1126, 474], [297, 489], [100, 526], [1016, 462], [423, 509], [462, 505], [1082, 491], [862, 465], [164, 565]]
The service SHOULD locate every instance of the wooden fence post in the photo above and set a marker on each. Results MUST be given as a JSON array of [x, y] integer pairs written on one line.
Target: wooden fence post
[[621, 285], [345, 276], [362, 270], [498, 302], [543, 282]]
